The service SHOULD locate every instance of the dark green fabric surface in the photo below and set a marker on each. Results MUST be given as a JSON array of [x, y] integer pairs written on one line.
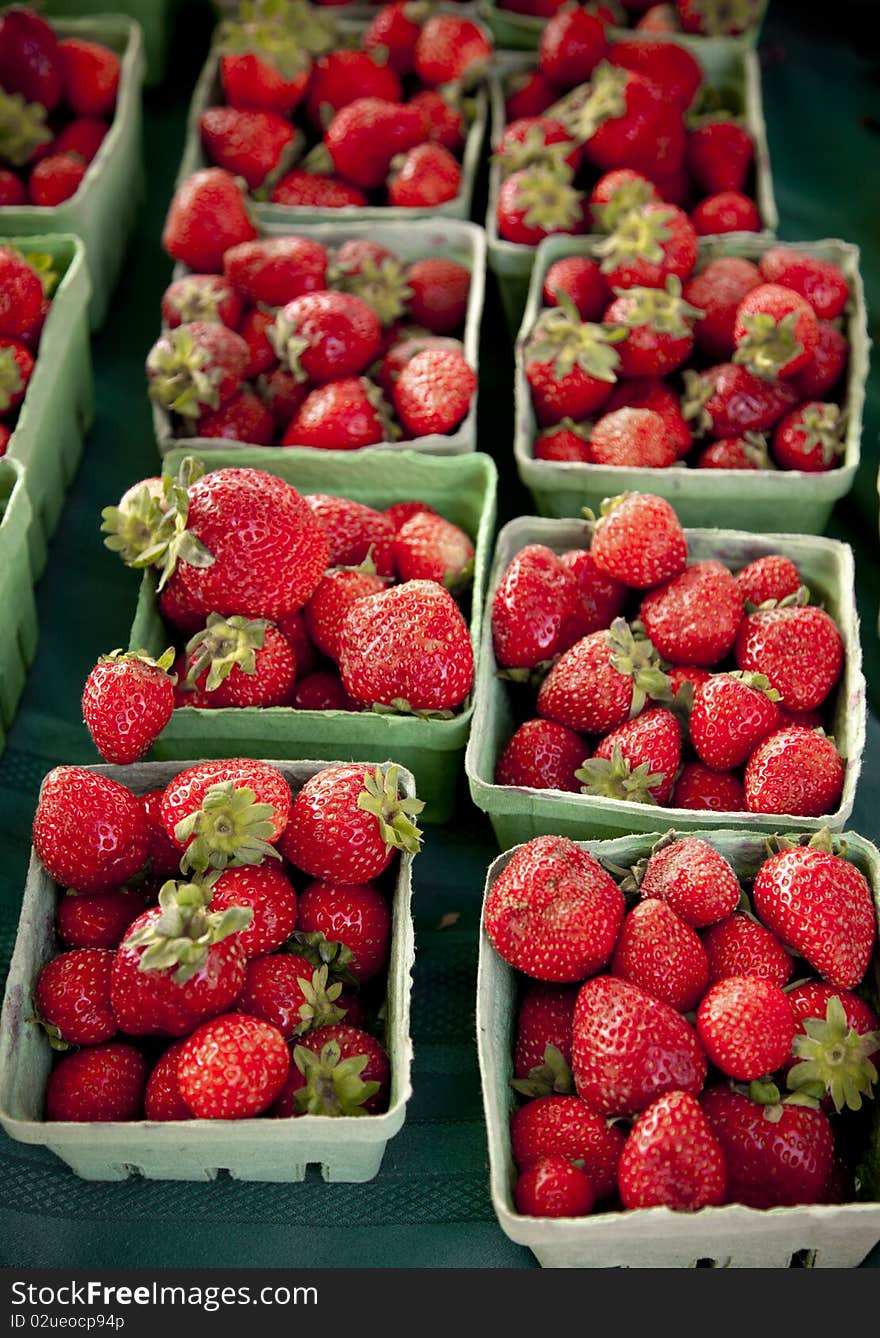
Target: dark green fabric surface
[[429, 1205]]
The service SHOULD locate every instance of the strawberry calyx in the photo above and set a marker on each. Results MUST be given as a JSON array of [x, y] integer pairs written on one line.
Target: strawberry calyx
[[11, 379], [229, 830], [318, 160], [319, 1007], [533, 149], [382, 409], [823, 425], [637, 235], [630, 197], [721, 18], [760, 683], [663, 309], [835, 1059], [271, 41], [764, 1092], [393, 813], [553, 1077], [698, 390], [797, 599], [182, 935], [616, 778], [755, 449], [323, 954], [633, 654], [222, 644], [400, 706], [23, 128], [590, 105], [382, 285], [560, 337], [181, 377], [631, 878], [768, 345], [314, 30], [333, 1085], [43, 266], [148, 528], [547, 199], [194, 301]]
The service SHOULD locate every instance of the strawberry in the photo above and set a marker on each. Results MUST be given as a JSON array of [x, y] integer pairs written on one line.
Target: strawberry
[[307, 190], [395, 30], [429, 548], [746, 1026], [275, 270], [773, 577], [262, 65], [602, 681], [16, 370], [537, 201], [729, 401], [650, 392], [322, 691], [280, 990], [162, 1099], [365, 136], [731, 715], [693, 879], [672, 69], [717, 291], [799, 649], [337, 1070], [542, 755], [797, 771], [671, 1158], [601, 596], [232, 1067], [718, 18], [821, 906], [637, 761], [398, 513], [425, 176], [102, 1083], [565, 1126], [581, 281], [633, 438], [255, 329], [543, 1021], [201, 297], [554, 1187], [659, 324], [326, 336], [282, 395], [355, 532], [536, 140], [821, 282], [196, 367], [434, 391], [777, 1155], [719, 156], [89, 76], [354, 915], [628, 1048], [616, 116], [341, 416], [407, 649], [836, 1045], [21, 294], [570, 366], [536, 613], [252, 144], [207, 216], [728, 211], [443, 121], [810, 438], [12, 189], [699, 788], [99, 919], [662, 955], [528, 94], [775, 332], [243, 418], [83, 136], [371, 273], [368, 819], [822, 374], [573, 43], [740, 946], [439, 289], [450, 49], [554, 912], [648, 247], [695, 617], [327, 609], [342, 77], [403, 352], [747, 452], [639, 541], [30, 64], [226, 812], [618, 193], [127, 702], [72, 998], [271, 897], [89, 832]]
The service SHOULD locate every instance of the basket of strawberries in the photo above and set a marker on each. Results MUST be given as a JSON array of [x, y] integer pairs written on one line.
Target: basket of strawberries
[[519, 24]]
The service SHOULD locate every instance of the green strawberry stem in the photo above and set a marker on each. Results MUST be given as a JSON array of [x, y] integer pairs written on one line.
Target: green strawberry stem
[[148, 528], [319, 1008], [394, 814], [663, 309], [185, 930], [382, 285], [181, 378], [590, 105], [552, 1077], [11, 380], [221, 645], [23, 128], [633, 654], [229, 830], [768, 345], [333, 1085], [323, 954], [559, 336], [616, 778], [547, 198], [834, 1059], [636, 236]]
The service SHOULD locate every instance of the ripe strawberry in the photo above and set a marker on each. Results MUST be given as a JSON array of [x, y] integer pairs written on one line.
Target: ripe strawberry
[[12, 189], [719, 156], [21, 294], [659, 324], [618, 193], [89, 76], [777, 1155], [407, 649], [731, 715], [201, 297], [307, 190], [270, 896], [746, 1026], [836, 1045], [616, 116], [821, 906], [637, 761], [693, 879], [244, 418], [443, 120], [30, 64], [672, 69], [326, 336], [337, 1070], [601, 597], [822, 374], [162, 1099], [226, 812], [354, 915], [536, 612], [554, 1187], [648, 247], [772, 577], [89, 832], [322, 691], [282, 395], [543, 1022], [633, 438], [537, 140], [581, 281], [127, 701], [701, 789], [83, 137], [262, 65], [529, 93], [628, 1048], [796, 771], [671, 1158], [196, 367], [72, 998], [275, 270], [747, 452], [255, 330], [98, 919], [327, 609], [717, 291], [355, 531], [662, 955], [537, 201], [207, 216], [650, 392], [16, 369], [729, 401], [429, 548], [401, 353], [366, 134], [638, 541], [434, 391], [728, 211], [342, 77], [251, 144], [695, 617], [101, 1083], [810, 438], [602, 681], [573, 43], [425, 176], [821, 282], [570, 365], [565, 1126], [740, 946], [451, 49], [395, 30], [439, 289], [542, 755], [341, 416], [232, 1067], [775, 333], [799, 649], [554, 912], [280, 989]]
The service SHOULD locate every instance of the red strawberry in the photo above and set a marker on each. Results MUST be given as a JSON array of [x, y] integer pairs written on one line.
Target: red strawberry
[[308, 190], [542, 755], [717, 291], [693, 879], [544, 1019], [400, 512], [565, 1126], [162, 1099], [634, 438], [163, 853], [719, 156], [660, 953], [424, 177], [21, 294], [127, 702], [671, 1158], [442, 118], [97, 919], [254, 330], [434, 391], [572, 44], [327, 1062], [451, 49], [821, 282], [637, 761], [196, 367], [536, 609], [731, 715], [366, 134], [799, 649], [601, 596], [659, 324], [746, 1026], [616, 116], [639, 541], [777, 1155], [262, 65], [226, 812], [773, 577], [695, 617], [355, 531], [570, 366], [370, 272], [821, 906], [243, 418], [439, 289], [796, 771], [581, 281], [728, 211], [536, 140], [628, 1048], [618, 193], [740, 946], [281, 990], [701, 789], [728, 401], [603, 680], [342, 77], [16, 369], [810, 438], [251, 144], [102, 1083], [528, 94], [275, 270], [554, 912], [282, 395], [271, 897], [341, 416], [403, 352], [201, 297], [537, 201], [554, 1187], [348, 821], [355, 915], [650, 392], [327, 609], [672, 69], [836, 1045], [823, 372], [647, 247], [395, 30], [30, 64], [407, 648], [12, 189], [83, 137], [775, 333], [232, 1067], [747, 452], [89, 832], [429, 548], [89, 76], [72, 997], [326, 336]]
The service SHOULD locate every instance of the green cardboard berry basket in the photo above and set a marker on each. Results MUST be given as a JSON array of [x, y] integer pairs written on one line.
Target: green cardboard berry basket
[[104, 210], [522, 32], [464, 242], [729, 67], [156, 18], [463, 490], [346, 1148], [759, 499], [59, 402], [518, 813], [822, 1236], [19, 641], [207, 93]]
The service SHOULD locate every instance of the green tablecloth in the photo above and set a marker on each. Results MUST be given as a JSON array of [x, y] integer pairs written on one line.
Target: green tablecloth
[[429, 1205]]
